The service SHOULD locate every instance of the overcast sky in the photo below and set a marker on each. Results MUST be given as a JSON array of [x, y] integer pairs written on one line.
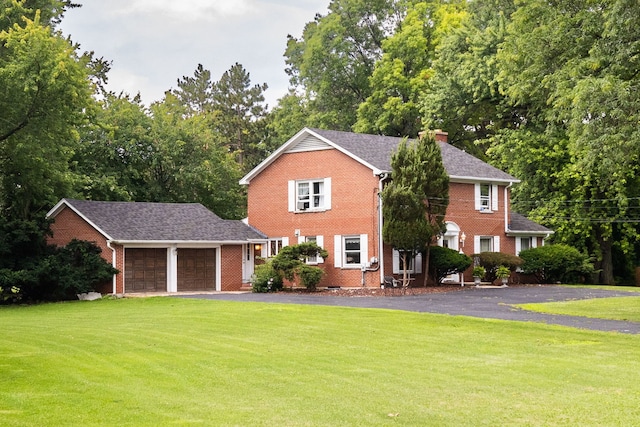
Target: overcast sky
[[152, 43]]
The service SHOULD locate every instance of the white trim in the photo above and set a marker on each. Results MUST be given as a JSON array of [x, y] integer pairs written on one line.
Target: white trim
[[291, 185], [172, 268], [320, 242], [296, 139], [327, 193], [337, 251], [58, 208], [494, 197], [463, 179]]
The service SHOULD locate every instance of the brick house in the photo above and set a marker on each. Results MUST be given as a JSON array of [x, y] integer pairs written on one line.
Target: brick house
[[324, 186], [167, 247]]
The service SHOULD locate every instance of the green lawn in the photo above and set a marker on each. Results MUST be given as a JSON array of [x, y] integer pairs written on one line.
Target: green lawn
[[616, 308], [165, 362]]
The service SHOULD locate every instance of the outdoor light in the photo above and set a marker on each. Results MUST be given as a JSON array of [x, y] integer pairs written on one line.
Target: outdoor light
[[257, 246], [463, 237]]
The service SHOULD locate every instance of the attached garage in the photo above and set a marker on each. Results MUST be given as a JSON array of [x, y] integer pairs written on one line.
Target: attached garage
[[196, 269], [161, 247], [145, 270]]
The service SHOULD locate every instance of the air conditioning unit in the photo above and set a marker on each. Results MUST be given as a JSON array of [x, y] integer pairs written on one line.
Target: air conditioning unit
[[303, 206]]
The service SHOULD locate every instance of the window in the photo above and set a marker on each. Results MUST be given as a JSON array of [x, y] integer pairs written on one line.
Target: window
[[414, 264], [486, 197], [274, 247], [310, 195], [486, 244], [525, 242], [312, 259], [350, 251]]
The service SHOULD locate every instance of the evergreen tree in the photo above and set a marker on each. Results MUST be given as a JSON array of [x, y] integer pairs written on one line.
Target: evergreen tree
[[416, 200]]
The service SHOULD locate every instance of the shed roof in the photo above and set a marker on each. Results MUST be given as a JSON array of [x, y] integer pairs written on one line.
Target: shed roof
[[146, 221], [520, 224]]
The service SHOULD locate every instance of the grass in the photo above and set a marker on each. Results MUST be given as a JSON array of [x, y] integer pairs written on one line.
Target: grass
[[166, 361], [616, 308]]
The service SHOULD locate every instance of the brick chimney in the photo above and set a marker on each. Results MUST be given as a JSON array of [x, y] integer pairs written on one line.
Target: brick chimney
[[441, 135], [438, 134]]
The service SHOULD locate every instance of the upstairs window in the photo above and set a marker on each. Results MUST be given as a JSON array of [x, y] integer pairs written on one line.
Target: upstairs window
[[310, 195], [486, 196]]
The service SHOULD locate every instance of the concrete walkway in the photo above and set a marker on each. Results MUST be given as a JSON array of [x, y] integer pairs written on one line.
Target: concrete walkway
[[493, 303]]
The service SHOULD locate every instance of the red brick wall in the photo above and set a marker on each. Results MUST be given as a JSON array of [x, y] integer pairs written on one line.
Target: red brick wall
[[68, 226], [231, 267], [353, 206]]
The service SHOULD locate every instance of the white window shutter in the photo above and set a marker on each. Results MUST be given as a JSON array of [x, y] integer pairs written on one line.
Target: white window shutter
[[285, 241], [518, 245], [476, 244], [292, 196], [417, 263], [301, 239], [364, 249], [337, 251], [534, 242], [496, 243], [494, 198], [477, 197], [396, 262], [327, 193], [320, 242]]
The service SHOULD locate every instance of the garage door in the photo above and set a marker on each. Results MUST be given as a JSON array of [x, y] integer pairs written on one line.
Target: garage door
[[196, 269], [145, 270]]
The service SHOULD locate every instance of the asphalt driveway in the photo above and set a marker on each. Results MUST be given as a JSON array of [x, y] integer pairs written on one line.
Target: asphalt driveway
[[488, 303]]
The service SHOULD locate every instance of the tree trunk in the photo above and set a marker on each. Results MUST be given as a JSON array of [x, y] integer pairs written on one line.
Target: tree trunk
[[426, 266], [606, 272]]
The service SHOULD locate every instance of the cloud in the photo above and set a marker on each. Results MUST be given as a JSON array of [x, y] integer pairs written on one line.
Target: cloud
[[183, 10]]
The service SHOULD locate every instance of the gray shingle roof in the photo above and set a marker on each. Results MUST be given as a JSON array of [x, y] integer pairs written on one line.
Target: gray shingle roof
[[377, 150], [144, 221], [520, 223]]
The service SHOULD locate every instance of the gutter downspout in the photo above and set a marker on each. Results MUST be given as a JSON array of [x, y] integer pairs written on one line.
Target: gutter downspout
[[383, 176], [113, 263]]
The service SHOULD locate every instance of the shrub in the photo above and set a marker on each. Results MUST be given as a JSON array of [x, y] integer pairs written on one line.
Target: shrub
[[291, 263], [556, 263], [492, 260], [266, 279], [444, 261], [309, 276], [74, 269]]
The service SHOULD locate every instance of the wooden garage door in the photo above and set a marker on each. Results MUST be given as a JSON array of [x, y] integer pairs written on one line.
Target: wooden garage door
[[196, 269], [145, 270]]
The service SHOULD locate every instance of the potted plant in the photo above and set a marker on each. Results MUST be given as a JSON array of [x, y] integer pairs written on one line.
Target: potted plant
[[478, 273], [503, 273]]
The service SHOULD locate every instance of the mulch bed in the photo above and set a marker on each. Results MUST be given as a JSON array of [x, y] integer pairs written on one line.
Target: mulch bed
[[376, 292]]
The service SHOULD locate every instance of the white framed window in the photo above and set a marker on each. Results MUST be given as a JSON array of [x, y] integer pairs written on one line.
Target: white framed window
[[351, 251], [414, 264], [310, 195], [318, 240], [486, 197], [525, 242], [275, 245], [486, 244]]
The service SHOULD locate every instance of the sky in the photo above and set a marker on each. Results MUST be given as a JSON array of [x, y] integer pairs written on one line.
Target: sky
[[153, 43]]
